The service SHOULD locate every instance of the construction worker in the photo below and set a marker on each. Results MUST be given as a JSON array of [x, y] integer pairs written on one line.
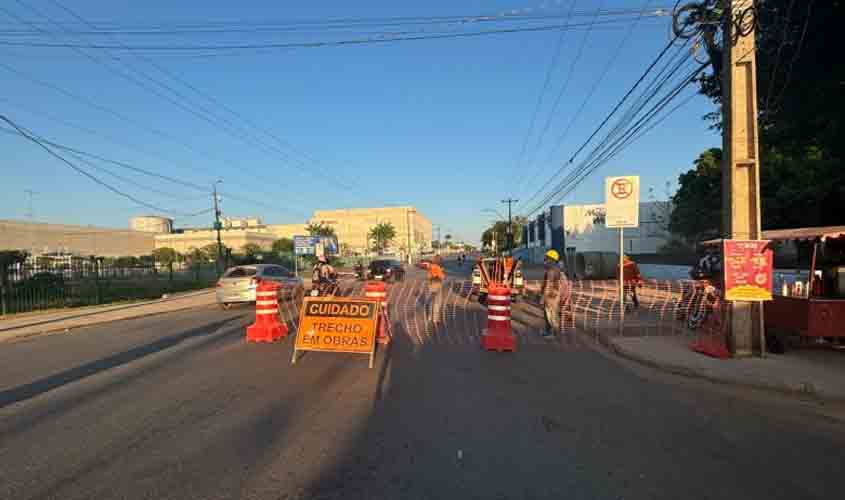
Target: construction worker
[[435, 286], [550, 293], [324, 276], [631, 278]]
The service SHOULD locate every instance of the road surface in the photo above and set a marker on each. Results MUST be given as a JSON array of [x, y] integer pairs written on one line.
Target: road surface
[[179, 406]]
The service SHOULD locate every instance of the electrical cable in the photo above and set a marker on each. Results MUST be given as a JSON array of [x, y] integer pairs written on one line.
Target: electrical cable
[[549, 72], [618, 105], [27, 135], [552, 113], [594, 161], [312, 44]]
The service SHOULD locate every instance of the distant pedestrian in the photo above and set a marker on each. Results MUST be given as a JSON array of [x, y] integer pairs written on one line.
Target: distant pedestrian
[[436, 276], [550, 293]]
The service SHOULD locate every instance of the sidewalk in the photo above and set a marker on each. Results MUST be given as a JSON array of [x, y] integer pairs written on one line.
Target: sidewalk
[[15, 327], [808, 372]]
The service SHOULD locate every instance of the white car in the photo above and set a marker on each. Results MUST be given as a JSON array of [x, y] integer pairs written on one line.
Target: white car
[[238, 284]]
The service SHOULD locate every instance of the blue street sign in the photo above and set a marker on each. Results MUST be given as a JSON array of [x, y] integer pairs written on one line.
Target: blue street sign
[[305, 245]]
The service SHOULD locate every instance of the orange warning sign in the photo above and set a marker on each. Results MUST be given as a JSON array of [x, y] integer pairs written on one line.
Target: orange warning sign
[[337, 324]]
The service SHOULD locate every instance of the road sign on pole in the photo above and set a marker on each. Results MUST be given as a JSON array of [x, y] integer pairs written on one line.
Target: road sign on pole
[[622, 201], [622, 209], [305, 245]]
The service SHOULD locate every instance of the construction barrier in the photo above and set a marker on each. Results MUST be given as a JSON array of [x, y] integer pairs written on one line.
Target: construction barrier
[[378, 290], [267, 327], [498, 336]]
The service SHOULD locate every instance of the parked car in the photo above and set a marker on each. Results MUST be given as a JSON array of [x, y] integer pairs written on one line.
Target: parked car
[[386, 269], [238, 284]]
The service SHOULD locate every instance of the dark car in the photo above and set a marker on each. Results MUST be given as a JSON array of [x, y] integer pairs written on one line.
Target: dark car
[[386, 269]]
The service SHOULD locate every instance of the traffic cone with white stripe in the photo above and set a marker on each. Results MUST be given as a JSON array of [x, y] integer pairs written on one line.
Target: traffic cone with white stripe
[[267, 327], [378, 290], [498, 336]]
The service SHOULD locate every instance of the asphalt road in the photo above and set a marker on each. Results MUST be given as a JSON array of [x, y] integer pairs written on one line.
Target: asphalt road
[[179, 406]]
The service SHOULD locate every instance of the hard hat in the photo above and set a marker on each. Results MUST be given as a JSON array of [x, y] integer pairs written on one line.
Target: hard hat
[[553, 255]]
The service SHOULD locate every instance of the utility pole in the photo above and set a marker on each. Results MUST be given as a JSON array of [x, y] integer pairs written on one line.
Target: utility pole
[[437, 228], [408, 225], [510, 201], [217, 226], [30, 214], [741, 160]]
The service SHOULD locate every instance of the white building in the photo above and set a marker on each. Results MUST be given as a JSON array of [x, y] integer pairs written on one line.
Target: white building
[[571, 229]]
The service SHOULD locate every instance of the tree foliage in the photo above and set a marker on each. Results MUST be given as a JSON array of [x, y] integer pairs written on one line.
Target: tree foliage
[[250, 250], [698, 201], [801, 101], [165, 256], [320, 230], [283, 246], [382, 235]]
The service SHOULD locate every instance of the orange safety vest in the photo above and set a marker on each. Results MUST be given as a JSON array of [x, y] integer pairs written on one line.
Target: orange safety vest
[[435, 272]]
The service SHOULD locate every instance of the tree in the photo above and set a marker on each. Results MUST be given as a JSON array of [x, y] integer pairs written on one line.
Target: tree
[[250, 250], [283, 246], [166, 256], [382, 235], [9, 258], [195, 257], [320, 230], [801, 103], [210, 251], [698, 203]]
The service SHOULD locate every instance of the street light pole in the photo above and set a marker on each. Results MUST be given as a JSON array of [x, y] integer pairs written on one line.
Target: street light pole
[[217, 226], [510, 201]]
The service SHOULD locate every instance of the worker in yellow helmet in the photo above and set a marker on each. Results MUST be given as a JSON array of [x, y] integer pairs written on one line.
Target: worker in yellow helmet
[[550, 293]]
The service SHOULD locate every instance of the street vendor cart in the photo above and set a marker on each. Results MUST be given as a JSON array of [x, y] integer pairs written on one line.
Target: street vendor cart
[[812, 308]]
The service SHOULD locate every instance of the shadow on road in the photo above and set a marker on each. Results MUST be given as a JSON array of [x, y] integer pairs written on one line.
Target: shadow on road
[[46, 384]]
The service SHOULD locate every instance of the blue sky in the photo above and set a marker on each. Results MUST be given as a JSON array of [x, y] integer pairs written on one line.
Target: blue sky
[[435, 123]]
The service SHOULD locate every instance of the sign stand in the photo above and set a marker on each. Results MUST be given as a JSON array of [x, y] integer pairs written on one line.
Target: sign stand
[[622, 209], [621, 281]]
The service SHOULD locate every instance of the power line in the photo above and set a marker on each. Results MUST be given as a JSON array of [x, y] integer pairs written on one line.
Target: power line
[[204, 113], [598, 82], [95, 105], [560, 93], [609, 151], [27, 135], [648, 94], [311, 44], [549, 72], [222, 26], [613, 111]]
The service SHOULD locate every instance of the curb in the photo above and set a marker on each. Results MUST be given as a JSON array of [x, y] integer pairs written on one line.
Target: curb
[[801, 390], [55, 329]]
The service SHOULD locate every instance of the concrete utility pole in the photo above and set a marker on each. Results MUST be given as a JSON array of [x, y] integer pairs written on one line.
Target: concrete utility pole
[[30, 214], [408, 224], [741, 160], [217, 226], [510, 201]]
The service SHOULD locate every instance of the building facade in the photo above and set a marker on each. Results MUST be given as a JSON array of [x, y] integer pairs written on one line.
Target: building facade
[[151, 224], [352, 227], [571, 229], [189, 239], [40, 238]]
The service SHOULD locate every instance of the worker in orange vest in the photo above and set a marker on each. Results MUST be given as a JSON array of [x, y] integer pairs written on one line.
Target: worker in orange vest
[[631, 278], [435, 287]]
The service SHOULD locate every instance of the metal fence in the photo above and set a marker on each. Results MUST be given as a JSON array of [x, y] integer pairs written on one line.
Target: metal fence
[[30, 287]]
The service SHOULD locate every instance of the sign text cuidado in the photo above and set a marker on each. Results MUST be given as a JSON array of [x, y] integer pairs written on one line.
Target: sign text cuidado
[[338, 325]]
